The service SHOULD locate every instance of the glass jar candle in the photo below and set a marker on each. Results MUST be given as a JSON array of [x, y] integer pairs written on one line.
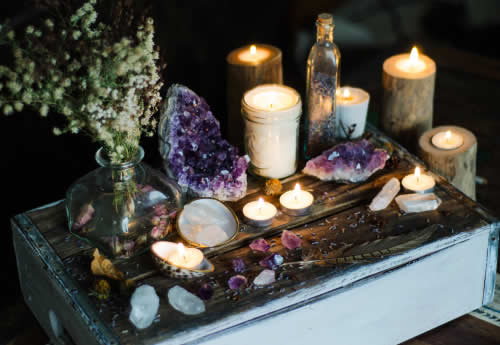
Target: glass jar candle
[[272, 113]]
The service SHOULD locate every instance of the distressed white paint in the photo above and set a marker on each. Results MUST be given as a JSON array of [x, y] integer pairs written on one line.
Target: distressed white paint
[[368, 305]]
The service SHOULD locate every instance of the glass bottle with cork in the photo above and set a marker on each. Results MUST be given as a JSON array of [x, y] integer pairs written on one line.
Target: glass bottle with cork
[[322, 83]]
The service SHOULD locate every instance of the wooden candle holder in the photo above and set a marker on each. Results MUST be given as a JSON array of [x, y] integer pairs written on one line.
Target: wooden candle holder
[[408, 101], [458, 165], [243, 76]]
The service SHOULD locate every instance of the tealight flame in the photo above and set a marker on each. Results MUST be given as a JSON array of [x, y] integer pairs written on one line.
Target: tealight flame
[[417, 173], [447, 136], [296, 191], [181, 250], [347, 93], [253, 49], [260, 205], [414, 56]]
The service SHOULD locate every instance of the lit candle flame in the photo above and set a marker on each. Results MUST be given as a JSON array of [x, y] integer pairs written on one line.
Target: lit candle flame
[[414, 56], [181, 250], [347, 93], [253, 49], [260, 205], [447, 136], [296, 191], [417, 174]]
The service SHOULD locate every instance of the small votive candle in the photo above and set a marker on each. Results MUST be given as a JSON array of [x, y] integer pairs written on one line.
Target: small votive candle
[[296, 202], [447, 140], [259, 213], [254, 54], [351, 110], [418, 182], [185, 257]]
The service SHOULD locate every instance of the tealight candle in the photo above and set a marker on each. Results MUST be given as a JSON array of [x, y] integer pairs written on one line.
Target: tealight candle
[[185, 257], [351, 110], [296, 202], [447, 140], [259, 213], [418, 182], [271, 113], [407, 108]]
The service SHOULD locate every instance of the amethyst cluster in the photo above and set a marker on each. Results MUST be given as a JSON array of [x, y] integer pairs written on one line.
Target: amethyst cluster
[[193, 150], [347, 162]]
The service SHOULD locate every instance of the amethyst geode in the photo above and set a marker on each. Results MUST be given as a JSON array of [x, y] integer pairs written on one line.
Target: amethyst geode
[[347, 162], [193, 151]]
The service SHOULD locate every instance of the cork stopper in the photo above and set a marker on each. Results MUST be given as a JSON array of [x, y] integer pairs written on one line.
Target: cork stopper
[[325, 19]]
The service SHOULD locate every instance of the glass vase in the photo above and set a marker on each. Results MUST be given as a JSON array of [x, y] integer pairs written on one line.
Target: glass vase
[[122, 208]]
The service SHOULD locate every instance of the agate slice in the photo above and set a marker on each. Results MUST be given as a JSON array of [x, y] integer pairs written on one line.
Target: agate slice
[[193, 150], [347, 162]]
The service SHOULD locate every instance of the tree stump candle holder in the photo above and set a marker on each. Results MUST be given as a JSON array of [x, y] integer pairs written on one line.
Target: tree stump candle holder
[[247, 67], [458, 164], [407, 106]]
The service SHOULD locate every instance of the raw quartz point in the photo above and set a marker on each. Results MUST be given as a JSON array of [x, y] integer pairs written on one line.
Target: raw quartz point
[[347, 162], [265, 277], [193, 150], [145, 303], [386, 194], [184, 301], [418, 202]]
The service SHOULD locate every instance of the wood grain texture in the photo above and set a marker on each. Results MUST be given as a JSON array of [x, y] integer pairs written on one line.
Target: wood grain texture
[[242, 77], [458, 165]]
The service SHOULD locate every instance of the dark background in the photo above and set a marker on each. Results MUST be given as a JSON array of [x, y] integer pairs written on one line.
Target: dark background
[[195, 36]]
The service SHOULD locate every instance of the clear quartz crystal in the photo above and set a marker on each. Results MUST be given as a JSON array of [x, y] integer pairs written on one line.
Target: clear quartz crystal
[[322, 83], [184, 301], [418, 202], [386, 194], [145, 303]]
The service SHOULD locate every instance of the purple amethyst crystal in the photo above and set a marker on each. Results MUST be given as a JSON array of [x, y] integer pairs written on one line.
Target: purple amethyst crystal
[[290, 240], [260, 245], [347, 162], [239, 265], [193, 150], [206, 292], [237, 281], [272, 261]]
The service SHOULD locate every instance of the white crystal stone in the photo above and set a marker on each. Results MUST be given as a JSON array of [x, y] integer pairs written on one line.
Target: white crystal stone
[[265, 277], [386, 194], [211, 235], [145, 303], [207, 222], [418, 202], [184, 301]]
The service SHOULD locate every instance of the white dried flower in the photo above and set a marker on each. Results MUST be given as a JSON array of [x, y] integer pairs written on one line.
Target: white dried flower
[[7, 109], [30, 29], [18, 106], [44, 110], [11, 35], [56, 131], [49, 23], [38, 33], [76, 34]]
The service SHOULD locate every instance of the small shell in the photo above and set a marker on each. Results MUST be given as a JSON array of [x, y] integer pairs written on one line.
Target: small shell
[[170, 270]]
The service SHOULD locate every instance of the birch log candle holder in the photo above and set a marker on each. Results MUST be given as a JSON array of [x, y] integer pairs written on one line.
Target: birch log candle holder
[[247, 67], [408, 83], [451, 151]]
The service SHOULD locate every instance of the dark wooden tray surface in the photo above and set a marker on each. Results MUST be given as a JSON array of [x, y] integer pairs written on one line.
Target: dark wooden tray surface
[[340, 225]]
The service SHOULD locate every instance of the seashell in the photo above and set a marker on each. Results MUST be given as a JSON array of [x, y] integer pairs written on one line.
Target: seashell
[[162, 249]]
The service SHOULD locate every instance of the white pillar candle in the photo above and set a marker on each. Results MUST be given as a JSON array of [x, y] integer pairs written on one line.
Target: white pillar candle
[[259, 213], [272, 113], [184, 257], [418, 182], [447, 140], [351, 108], [296, 202]]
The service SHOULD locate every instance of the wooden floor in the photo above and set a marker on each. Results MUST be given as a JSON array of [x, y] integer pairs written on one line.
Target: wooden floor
[[467, 87]]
